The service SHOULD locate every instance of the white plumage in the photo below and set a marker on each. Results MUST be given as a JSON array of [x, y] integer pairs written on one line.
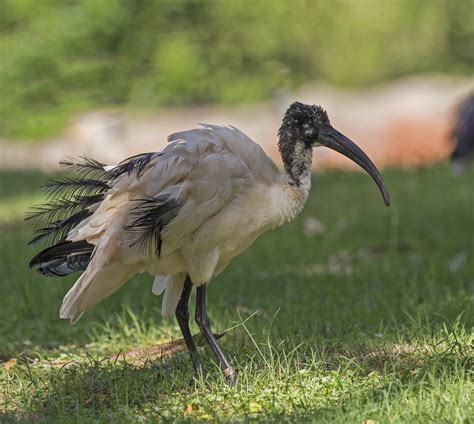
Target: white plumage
[[229, 192]]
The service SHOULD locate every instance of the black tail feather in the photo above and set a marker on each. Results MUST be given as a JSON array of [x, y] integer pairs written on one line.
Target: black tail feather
[[63, 258]]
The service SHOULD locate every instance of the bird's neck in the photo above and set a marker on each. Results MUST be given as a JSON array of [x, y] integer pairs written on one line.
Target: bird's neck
[[297, 159]]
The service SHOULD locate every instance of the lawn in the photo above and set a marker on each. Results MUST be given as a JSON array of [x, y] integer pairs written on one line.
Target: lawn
[[371, 321]]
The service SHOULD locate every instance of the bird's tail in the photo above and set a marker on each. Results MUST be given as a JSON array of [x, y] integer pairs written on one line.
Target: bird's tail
[[64, 258], [97, 283]]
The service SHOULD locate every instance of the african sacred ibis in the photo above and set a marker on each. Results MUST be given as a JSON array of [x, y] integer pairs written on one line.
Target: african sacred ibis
[[463, 135], [181, 214]]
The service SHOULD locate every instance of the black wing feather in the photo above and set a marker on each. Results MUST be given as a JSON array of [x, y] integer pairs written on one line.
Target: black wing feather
[[135, 163], [151, 217]]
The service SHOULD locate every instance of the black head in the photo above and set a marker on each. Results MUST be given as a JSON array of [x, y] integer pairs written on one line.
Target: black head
[[308, 126], [304, 122]]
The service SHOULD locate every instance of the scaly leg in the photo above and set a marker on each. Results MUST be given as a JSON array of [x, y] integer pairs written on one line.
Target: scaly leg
[[182, 316], [205, 325]]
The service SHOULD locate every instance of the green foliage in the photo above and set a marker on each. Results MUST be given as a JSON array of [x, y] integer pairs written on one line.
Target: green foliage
[[62, 56], [368, 321]]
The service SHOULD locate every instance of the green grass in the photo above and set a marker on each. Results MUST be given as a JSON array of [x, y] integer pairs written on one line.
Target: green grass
[[372, 320]]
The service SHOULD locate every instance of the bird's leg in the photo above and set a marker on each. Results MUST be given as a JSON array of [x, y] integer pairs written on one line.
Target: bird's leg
[[205, 326], [182, 316]]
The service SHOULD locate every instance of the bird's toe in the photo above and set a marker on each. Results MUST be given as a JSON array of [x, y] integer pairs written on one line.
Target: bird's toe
[[231, 376]]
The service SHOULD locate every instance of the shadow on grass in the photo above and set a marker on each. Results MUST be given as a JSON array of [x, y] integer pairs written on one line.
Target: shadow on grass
[[165, 388]]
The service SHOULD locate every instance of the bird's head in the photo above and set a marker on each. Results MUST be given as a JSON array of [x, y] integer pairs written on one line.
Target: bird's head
[[309, 126]]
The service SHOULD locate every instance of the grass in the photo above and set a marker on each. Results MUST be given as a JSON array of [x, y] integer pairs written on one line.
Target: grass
[[371, 321]]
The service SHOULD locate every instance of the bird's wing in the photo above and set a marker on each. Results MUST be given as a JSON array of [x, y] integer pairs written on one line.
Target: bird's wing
[[236, 142], [173, 192]]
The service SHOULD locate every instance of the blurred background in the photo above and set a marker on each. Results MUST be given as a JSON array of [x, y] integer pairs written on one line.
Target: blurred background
[[111, 78]]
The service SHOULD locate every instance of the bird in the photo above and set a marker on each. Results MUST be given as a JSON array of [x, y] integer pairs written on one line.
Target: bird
[[181, 214], [463, 135]]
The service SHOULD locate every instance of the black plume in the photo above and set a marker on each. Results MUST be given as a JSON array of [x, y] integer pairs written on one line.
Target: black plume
[[71, 186], [61, 209], [151, 217], [59, 229], [86, 167], [135, 163]]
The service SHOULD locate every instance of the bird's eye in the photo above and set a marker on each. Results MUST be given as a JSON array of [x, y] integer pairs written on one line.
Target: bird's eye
[[310, 131]]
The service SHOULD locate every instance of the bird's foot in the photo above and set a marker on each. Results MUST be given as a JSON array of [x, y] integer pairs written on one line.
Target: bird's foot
[[231, 376]]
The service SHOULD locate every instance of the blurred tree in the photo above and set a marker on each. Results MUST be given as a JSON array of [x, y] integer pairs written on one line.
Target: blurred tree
[[61, 56], [460, 30]]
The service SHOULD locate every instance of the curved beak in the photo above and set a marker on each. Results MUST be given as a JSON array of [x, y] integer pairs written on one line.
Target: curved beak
[[333, 139]]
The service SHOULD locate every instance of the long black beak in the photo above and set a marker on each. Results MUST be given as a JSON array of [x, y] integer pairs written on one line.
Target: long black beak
[[333, 139]]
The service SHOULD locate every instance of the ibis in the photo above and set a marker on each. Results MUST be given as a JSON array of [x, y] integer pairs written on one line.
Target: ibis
[[181, 214], [463, 135]]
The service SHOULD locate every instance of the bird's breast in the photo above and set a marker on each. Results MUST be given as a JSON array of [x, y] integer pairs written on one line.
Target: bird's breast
[[243, 220]]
